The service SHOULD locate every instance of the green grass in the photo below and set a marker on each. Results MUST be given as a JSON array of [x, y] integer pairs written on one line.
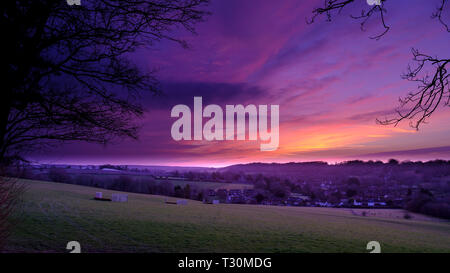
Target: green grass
[[53, 214]]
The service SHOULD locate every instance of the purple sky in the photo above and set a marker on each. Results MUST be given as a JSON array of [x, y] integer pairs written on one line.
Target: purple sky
[[330, 80]]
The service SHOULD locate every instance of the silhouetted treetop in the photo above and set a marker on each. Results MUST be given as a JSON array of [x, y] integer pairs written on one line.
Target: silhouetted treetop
[[70, 70]]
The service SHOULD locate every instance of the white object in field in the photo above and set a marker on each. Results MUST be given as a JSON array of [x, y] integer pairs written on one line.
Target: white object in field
[[181, 202], [99, 194], [117, 197], [215, 202]]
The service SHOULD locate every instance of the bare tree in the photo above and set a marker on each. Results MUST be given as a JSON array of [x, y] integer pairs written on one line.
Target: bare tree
[[432, 91], [68, 69], [68, 74]]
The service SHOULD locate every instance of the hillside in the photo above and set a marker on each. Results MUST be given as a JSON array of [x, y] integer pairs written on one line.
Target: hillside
[[53, 214]]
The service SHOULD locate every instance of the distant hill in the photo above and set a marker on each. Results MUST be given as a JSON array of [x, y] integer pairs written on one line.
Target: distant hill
[[170, 168], [274, 167], [130, 167], [318, 166]]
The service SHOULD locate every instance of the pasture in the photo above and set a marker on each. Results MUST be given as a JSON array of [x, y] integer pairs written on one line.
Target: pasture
[[144, 178], [204, 185], [53, 214]]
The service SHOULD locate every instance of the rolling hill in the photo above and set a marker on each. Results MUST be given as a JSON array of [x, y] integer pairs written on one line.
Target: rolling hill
[[53, 214]]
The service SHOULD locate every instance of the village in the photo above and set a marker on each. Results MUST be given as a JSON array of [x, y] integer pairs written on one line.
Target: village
[[252, 196]]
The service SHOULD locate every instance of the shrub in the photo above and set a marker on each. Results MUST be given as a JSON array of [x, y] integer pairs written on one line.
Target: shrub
[[407, 216], [59, 175], [123, 183], [437, 209]]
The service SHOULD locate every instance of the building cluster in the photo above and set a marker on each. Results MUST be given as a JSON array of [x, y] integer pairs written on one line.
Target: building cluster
[[232, 196], [329, 197]]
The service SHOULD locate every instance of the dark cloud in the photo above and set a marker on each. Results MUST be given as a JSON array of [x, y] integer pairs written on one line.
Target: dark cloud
[[212, 93], [372, 115], [432, 152]]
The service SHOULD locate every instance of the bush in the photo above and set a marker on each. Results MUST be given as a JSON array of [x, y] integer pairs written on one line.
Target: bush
[[407, 216], [123, 183], [437, 209], [165, 188], [59, 175]]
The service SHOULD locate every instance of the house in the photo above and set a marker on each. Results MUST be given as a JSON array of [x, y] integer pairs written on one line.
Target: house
[[209, 196], [293, 201], [235, 192], [235, 196], [322, 204], [222, 195], [296, 199], [249, 192], [236, 199], [299, 196]]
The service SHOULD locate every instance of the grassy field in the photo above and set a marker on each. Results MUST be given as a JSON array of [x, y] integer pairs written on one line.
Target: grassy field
[[201, 185], [53, 214], [204, 185]]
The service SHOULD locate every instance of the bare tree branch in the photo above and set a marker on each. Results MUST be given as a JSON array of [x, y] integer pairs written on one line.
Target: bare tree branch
[[432, 90], [365, 16], [438, 14], [336, 6]]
